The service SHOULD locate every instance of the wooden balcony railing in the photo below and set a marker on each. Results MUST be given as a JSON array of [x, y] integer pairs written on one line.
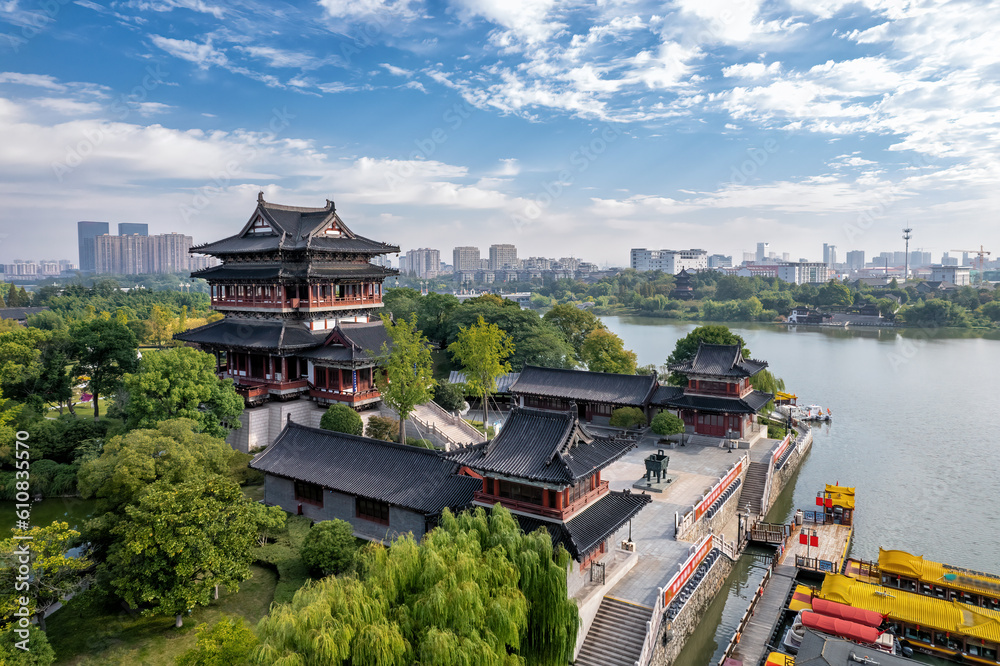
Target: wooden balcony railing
[[547, 511], [349, 397], [296, 303]]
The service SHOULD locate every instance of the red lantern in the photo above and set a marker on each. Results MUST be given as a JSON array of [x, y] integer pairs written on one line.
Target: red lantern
[[819, 501], [802, 538], [829, 502], [814, 541]]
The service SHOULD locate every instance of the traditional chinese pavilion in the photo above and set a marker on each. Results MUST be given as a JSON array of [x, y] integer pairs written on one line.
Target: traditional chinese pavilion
[[301, 297], [718, 399], [546, 467], [682, 291]]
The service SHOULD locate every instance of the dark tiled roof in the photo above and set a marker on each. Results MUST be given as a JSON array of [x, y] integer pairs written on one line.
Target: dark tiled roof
[[501, 385], [295, 228], [751, 404], [20, 313], [587, 386], [540, 445], [593, 525], [364, 342], [822, 650], [279, 272], [407, 476], [720, 361], [254, 334]]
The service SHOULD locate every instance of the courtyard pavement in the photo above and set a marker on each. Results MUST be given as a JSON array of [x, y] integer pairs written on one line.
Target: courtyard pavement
[[696, 468]]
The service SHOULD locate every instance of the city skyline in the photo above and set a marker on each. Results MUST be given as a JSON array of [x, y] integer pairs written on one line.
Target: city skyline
[[599, 128]]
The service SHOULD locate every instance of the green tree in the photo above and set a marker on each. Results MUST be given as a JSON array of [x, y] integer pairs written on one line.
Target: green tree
[[106, 350], [835, 294], [627, 417], [380, 427], [20, 358], [179, 542], [329, 548], [476, 590], [991, 310], [575, 324], [433, 314], [733, 288], [341, 418], [450, 397], [173, 452], [401, 302], [54, 574], [162, 325], [482, 350], [407, 378], [603, 351], [665, 424], [181, 383], [12, 654], [229, 642]]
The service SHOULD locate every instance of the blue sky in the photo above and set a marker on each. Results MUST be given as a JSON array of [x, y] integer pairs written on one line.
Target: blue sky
[[567, 128]]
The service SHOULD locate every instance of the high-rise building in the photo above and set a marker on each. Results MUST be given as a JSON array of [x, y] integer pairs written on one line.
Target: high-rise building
[[855, 260], [829, 254], [948, 260], [423, 262], [86, 233], [465, 258], [669, 261], [129, 228], [720, 261], [134, 254], [899, 258], [919, 258], [762, 250], [804, 272], [503, 255]]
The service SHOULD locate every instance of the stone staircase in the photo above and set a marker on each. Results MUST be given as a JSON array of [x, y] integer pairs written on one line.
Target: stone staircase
[[616, 635], [433, 422], [753, 488]]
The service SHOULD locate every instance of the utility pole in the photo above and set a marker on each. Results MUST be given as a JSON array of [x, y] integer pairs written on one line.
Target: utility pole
[[906, 260]]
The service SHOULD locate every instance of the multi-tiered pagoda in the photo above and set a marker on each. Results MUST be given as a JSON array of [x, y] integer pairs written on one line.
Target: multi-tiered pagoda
[[718, 399], [301, 297]]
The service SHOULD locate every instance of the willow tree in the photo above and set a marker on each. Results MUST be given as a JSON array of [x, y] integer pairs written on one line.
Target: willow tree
[[476, 590], [407, 376], [482, 349]]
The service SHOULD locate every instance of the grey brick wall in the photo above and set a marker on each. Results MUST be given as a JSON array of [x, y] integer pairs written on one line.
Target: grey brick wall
[[340, 506], [262, 425]]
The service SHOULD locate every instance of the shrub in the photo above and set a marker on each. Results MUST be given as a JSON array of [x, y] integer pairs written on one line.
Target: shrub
[[239, 469], [627, 417], [380, 427], [341, 418], [40, 654], [329, 548], [450, 396], [666, 424], [229, 642], [421, 443]]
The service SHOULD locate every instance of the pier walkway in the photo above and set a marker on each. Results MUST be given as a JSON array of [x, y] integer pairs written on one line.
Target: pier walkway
[[753, 644]]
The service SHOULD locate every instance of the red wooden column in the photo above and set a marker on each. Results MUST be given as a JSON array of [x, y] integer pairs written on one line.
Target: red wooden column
[[560, 499]]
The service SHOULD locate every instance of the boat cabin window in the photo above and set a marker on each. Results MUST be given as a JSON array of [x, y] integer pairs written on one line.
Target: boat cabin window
[[934, 591], [951, 642], [990, 653], [914, 635]]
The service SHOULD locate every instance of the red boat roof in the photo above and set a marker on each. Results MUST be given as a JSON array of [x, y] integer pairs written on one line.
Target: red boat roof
[[845, 612], [843, 628]]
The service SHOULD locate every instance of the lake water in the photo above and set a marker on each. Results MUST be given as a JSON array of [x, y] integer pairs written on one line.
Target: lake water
[[71, 510], [914, 429]]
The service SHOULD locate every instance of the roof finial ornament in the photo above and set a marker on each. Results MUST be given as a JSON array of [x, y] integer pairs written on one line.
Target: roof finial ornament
[[329, 204], [260, 197]]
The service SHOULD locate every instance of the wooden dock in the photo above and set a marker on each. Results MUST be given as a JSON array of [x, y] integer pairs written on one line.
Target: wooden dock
[[753, 643], [829, 556]]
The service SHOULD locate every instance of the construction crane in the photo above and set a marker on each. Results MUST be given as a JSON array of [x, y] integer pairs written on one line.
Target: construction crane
[[982, 260]]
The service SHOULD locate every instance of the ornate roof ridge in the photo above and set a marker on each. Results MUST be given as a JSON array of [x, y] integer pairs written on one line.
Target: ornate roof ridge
[[293, 209]]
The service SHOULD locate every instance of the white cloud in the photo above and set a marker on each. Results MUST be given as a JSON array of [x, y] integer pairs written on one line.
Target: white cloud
[[526, 20], [396, 71], [283, 59], [34, 80], [752, 70], [356, 9], [203, 55]]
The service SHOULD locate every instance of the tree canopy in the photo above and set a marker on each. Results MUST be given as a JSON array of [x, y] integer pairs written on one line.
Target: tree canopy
[[106, 350], [575, 324], [407, 378], [603, 351], [181, 383], [341, 418], [179, 541], [476, 590], [482, 350], [329, 548]]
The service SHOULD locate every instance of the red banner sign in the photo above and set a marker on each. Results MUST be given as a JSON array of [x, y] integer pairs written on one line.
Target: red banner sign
[[681, 578], [782, 448], [717, 491]]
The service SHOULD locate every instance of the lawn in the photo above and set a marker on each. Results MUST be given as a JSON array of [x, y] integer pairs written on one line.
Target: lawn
[[87, 633]]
